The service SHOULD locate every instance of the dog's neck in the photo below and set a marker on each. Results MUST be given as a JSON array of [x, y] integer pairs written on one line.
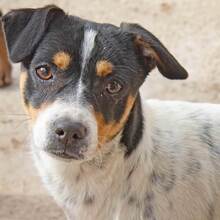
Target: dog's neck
[[133, 130], [127, 140]]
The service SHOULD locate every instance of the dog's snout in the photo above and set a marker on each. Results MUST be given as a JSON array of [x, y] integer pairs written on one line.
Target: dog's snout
[[66, 132], [69, 132], [67, 138]]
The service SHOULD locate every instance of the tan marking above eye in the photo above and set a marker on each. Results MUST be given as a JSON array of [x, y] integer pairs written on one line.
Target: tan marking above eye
[[62, 60], [103, 68], [106, 131]]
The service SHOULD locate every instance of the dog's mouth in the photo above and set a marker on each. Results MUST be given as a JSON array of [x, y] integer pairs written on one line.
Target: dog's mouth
[[65, 155]]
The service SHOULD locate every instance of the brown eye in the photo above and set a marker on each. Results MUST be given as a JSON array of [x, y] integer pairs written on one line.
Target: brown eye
[[44, 72], [113, 87]]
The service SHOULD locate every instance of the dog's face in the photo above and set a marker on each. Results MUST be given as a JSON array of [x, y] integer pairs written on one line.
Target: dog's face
[[80, 79]]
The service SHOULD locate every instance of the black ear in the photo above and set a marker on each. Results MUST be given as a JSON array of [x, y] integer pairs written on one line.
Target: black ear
[[154, 53], [24, 29]]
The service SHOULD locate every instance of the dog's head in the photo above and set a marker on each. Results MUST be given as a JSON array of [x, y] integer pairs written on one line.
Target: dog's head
[[80, 80]]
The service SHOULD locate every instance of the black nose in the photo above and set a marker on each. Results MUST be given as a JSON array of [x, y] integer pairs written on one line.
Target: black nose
[[70, 133]]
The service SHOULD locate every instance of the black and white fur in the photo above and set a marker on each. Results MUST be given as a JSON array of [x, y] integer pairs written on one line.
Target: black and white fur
[[173, 173], [164, 164]]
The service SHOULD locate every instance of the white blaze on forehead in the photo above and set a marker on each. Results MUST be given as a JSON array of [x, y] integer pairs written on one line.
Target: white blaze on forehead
[[87, 47]]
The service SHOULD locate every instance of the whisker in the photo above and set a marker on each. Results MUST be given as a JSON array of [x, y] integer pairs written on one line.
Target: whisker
[[22, 122], [100, 158], [12, 114]]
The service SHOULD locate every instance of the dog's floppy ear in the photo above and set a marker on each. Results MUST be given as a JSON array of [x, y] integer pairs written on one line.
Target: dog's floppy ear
[[154, 53], [24, 29]]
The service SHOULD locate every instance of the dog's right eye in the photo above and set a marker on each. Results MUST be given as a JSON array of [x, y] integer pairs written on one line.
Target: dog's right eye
[[44, 72], [113, 87]]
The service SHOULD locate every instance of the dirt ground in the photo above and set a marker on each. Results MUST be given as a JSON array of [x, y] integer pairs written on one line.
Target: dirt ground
[[191, 31]]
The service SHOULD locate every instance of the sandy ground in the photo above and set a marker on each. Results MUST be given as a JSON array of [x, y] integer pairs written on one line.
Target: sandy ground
[[191, 31]]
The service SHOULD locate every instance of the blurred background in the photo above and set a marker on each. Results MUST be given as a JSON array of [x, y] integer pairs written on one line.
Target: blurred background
[[190, 29]]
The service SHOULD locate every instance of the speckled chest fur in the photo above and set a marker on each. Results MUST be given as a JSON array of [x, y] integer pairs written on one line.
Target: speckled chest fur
[[102, 151]]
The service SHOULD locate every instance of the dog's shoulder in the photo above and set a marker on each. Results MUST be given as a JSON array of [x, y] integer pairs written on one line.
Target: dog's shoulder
[[181, 122], [173, 110]]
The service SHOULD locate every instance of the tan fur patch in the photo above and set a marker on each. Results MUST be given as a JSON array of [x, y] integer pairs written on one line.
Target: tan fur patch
[[62, 60], [148, 51], [106, 131], [29, 109], [33, 112], [23, 79], [22, 82], [103, 68], [5, 66], [3, 48]]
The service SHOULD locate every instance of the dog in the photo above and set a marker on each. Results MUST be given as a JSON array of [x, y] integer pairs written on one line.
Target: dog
[[102, 151], [5, 65]]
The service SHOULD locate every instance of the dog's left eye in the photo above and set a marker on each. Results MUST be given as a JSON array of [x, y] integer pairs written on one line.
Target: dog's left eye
[[44, 72], [113, 87]]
